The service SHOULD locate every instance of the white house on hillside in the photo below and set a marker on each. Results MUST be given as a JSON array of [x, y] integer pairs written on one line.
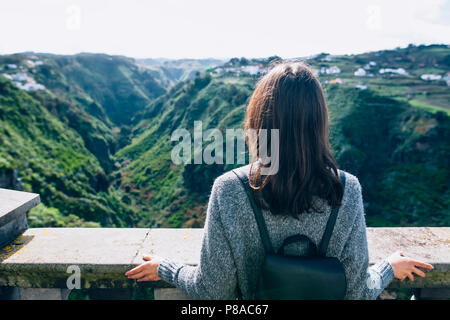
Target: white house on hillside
[[431, 77], [20, 76], [360, 72], [361, 86], [23, 81], [330, 70], [30, 86], [399, 71], [447, 78], [370, 65], [253, 70]]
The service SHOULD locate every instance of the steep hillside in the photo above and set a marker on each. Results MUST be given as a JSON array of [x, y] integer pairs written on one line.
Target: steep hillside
[[91, 133], [116, 84], [52, 160], [90, 99], [401, 155], [94, 94], [165, 194], [400, 151]]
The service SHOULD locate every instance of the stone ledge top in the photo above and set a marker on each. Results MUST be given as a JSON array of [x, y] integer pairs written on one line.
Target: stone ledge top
[[40, 257], [13, 203]]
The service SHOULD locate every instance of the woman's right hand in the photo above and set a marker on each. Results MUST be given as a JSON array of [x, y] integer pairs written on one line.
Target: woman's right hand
[[405, 267]]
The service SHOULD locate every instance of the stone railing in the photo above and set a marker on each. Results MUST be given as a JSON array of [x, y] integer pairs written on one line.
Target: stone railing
[[38, 263]]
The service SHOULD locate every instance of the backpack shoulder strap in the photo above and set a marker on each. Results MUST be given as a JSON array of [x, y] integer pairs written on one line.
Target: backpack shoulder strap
[[331, 222], [243, 177]]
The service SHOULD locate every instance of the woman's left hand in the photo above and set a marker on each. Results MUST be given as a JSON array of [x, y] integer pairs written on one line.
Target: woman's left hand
[[148, 271]]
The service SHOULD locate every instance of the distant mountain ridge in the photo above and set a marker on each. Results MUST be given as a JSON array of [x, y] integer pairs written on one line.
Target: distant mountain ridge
[[172, 71]]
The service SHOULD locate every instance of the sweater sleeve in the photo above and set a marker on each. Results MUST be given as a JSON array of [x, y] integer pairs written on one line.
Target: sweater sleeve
[[215, 275], [363, 282]]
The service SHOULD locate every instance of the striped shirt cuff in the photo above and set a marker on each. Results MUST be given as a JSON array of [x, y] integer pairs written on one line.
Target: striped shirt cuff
[[386, 272], [168, 270]]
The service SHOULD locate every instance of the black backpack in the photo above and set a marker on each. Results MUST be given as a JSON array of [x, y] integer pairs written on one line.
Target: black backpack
[[287, 277]]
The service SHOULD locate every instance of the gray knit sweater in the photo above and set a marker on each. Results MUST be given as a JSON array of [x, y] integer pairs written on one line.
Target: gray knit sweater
[[232, 252]]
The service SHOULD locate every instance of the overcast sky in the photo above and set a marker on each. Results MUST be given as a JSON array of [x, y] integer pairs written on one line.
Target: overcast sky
[[228, 28]]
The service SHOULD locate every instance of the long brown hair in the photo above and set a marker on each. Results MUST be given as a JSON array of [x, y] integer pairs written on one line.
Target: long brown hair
[[290, 98]]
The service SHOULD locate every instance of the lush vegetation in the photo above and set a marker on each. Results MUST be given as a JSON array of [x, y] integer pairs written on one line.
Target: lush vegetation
[[176, 195], [399, 153], [96, 144], [398, 149], [61, 140]]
